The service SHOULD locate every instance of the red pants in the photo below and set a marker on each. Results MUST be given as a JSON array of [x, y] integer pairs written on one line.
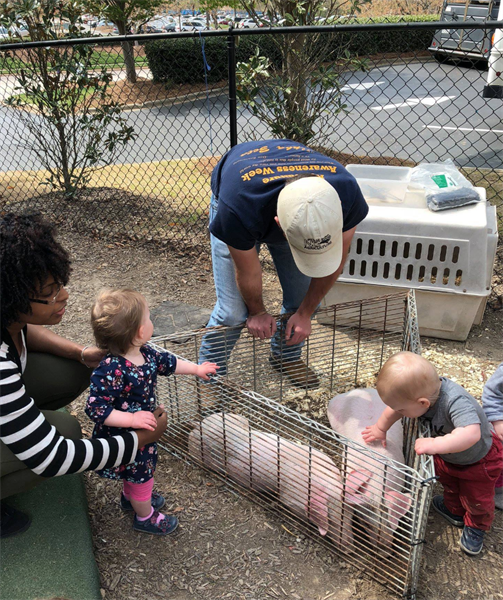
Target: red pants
[[469, 489]]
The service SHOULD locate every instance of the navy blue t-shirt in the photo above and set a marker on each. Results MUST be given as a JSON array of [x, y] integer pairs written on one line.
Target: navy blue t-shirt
[[249, 178]]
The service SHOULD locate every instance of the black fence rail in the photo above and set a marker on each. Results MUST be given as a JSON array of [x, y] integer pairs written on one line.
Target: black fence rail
[[118, 136]]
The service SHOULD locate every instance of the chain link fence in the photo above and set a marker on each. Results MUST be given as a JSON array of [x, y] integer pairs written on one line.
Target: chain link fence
[[125, 149]]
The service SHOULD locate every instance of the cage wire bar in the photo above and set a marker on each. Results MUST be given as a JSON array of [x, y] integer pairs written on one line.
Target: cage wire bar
[[271, 443], [185, 117]]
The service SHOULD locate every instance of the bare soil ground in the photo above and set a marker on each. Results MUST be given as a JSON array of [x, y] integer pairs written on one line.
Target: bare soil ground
[[227, 547], [145, 90]]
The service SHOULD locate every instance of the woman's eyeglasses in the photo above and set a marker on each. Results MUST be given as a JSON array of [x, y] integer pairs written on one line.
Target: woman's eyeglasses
[[51, 301]]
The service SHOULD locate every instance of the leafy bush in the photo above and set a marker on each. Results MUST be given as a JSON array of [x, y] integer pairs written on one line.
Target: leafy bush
[[369, 43], [180, 61]]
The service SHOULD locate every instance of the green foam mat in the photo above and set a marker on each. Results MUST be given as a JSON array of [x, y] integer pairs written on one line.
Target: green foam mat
[[54, 557]]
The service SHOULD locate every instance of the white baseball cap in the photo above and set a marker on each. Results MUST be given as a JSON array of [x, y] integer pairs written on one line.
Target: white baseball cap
[[310, 215]]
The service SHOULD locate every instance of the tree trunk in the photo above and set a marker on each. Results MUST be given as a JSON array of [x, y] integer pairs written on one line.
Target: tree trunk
[[128, 53], [65, 164], [296, 72]]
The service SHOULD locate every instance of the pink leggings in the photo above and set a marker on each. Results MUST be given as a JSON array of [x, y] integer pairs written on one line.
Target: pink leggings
[[140, 492]]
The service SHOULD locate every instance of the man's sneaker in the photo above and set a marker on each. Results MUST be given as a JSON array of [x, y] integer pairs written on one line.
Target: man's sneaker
[[158, 524], [297, 371], [157, 502], [472, 540], [441, 508], [498, 498], [12, 521]]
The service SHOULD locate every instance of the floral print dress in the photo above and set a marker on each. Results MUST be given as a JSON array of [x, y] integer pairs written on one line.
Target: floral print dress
[[119, 384]]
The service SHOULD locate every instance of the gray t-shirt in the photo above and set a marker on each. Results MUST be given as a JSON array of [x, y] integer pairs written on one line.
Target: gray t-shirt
[[454, 408]]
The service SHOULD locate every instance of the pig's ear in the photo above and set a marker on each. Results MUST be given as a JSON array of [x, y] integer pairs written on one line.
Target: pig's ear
[[398, 505], [356, 486], [317, 510]]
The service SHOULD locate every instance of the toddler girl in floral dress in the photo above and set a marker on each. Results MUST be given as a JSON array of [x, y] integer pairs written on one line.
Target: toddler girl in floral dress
[[122, 395]]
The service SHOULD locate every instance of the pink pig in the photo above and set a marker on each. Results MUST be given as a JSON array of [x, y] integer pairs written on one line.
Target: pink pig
[[303, 478], [381, 503]]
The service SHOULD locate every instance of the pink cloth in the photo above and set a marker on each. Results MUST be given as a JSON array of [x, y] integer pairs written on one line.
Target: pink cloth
[[139, 492]]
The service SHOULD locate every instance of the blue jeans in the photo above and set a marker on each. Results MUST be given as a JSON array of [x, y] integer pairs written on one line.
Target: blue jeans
[[230, 309]]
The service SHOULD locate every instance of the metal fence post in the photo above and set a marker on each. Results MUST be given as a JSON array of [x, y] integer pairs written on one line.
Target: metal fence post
[[231, 58]]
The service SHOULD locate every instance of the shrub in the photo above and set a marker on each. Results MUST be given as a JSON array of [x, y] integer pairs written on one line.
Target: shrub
[[180, 60]]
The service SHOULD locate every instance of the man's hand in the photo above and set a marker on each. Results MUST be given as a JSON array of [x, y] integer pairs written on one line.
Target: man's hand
[[261, 326], [298, 328], [205, 369], [144, 420], [425, 446], [498, 427], [372, 433]]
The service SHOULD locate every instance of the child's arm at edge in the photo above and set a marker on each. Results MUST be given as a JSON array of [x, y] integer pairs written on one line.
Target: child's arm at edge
[[458, 440], [184, 367], [375, 432]]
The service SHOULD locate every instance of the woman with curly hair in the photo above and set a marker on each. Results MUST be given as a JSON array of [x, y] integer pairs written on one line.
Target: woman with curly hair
[[41, 372]]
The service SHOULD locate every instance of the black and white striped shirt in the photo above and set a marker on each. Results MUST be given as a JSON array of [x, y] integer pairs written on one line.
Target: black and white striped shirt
[[26, 432]]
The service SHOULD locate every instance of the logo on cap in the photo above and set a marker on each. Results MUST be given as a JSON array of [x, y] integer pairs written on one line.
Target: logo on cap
[[318, 243]]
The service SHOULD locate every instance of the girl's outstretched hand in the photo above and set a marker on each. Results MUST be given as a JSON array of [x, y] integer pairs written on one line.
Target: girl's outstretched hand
[[205, 369]]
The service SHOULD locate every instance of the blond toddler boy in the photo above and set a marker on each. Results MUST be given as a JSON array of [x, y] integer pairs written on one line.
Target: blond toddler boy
[[467, 453]]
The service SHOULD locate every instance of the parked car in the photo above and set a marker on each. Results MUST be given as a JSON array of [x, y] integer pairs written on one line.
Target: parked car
[[169, 26], [151, 27], [465, 43], [248, 24], [193, 25], [163, 23], [115, 31]]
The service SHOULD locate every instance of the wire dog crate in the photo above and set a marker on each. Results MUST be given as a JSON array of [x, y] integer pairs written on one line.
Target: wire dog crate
[[270, 442]]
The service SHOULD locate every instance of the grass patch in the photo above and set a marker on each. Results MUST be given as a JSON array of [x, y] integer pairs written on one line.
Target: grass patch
[[162, 201], [28, 99], [111, 58], [184, 182]]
